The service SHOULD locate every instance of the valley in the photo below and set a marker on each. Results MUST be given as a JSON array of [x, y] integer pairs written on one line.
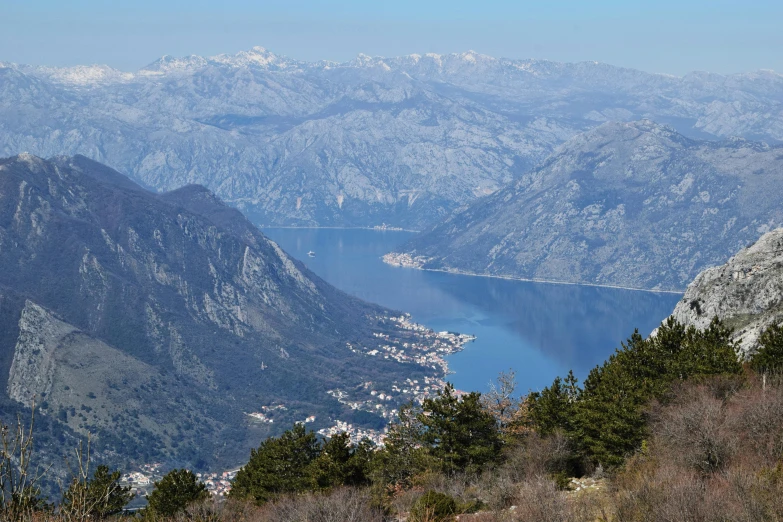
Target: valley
[[536, 329], [422, 288]]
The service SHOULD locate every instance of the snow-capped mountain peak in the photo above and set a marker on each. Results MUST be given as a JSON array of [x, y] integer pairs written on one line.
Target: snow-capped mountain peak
[[171, 65], [256, 57], [401, 140], [80, 75]]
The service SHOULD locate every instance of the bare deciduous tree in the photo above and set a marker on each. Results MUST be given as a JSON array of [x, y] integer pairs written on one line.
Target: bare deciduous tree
[[19, 491], [509, 410]]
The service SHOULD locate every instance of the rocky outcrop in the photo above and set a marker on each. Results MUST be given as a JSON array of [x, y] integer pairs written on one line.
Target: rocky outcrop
[[32, 369], [635, 205], [62, 371], [399, 140], [746, 292]]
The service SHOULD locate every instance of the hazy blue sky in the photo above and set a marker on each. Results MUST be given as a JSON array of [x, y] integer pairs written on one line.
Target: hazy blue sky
[[658, 36]]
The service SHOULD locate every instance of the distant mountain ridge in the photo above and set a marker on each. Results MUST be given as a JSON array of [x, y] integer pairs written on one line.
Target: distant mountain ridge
[[627, 204], [401, 140], [158, 322]]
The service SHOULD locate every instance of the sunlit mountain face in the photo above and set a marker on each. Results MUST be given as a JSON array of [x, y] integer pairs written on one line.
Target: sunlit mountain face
[[402, 140]]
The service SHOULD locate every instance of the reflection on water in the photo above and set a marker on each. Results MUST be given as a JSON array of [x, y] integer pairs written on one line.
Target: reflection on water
[[540, 330]]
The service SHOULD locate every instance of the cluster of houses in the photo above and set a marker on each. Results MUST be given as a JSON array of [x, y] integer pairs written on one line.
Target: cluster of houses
[[266, 413], [218, 484], [429, 350], [141, 481], [356, 434]]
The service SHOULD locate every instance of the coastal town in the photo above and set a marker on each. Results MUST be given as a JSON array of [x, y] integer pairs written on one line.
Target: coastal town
[[424, 347], [142, 481], [404, 260], [384, 226], [413, 344], [427, 348], [405, 341]]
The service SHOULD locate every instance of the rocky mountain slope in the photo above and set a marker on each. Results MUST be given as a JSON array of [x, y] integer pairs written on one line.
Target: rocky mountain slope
[[159, 322], [628, 204], [398, 140], [746, 292]]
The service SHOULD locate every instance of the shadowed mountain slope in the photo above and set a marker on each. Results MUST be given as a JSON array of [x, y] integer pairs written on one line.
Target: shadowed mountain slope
[[159, 321]]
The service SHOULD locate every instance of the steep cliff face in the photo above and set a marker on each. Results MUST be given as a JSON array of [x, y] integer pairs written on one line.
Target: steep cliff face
[[628, 204], [746, 292], [402, 140], [32, 369], [90, 386], [159, 321]]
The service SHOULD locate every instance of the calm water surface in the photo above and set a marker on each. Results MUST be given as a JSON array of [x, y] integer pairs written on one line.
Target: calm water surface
[[539, 330]]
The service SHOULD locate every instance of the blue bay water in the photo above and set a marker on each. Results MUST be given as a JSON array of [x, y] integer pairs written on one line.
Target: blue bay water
[[540, 330]]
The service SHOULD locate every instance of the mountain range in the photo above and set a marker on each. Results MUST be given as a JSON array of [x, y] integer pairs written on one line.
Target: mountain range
[[631, 204], [402, 140], [160, 322]]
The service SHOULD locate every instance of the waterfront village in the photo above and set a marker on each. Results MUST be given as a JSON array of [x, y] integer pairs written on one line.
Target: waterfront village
[[423, 347], [142, 481], [404, 260], [384, 226]]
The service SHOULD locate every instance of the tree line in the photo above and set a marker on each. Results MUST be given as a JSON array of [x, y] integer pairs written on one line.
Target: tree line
[[601, 423]]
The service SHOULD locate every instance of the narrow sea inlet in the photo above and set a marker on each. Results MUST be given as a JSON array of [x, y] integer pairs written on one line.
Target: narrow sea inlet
[[540, 330]]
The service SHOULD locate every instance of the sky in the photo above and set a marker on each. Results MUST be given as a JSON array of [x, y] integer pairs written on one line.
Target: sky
[[664, 36]]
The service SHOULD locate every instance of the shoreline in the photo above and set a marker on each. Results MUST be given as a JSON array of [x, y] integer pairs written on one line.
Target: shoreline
[[474, 274], [392, 229], [530, 280]]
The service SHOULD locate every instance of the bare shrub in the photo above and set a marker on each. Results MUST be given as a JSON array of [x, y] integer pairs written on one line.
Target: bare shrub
[[538, 456], [539, 500], [486, 516], [459, 485], [220, 510], [531, 458], [342, 505], [713, 455], [758, 418], [653, 492], [403, 500], [497, 489], [694, 431]]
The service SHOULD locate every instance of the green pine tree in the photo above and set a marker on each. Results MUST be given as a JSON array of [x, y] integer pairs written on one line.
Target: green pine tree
[[458, 432], [340, 463], [552, 408], [609, 420], [769, 356], [280, 465], [403, 455], [174, 492]]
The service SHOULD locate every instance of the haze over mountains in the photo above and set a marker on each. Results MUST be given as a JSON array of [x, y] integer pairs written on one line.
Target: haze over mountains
[[157, 322], [628, 204], [398, 140]]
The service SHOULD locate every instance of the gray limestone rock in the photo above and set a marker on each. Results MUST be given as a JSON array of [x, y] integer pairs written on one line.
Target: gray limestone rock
[[401, 140], [627, 204], [746, 292]]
